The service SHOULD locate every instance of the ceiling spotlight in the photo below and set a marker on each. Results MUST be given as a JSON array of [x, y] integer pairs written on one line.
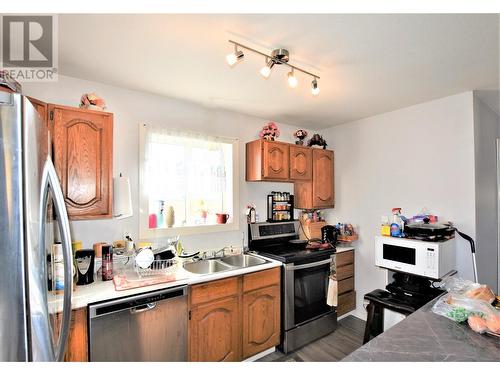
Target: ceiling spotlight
[[292, 80], [266, 70], [314, 87], [276, 57], [234, 57]]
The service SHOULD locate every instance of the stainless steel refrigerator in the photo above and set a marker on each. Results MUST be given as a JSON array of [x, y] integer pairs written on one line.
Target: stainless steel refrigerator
[[34, 322]]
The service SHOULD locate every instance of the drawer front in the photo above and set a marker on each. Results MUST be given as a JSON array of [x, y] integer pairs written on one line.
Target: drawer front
[[347, 257], [346, 303], [346, 285], [213, 290], [343, 272], [261, 279]]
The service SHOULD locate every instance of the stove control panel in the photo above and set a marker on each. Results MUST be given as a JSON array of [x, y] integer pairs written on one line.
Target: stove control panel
[[261, 231], [273, 230]]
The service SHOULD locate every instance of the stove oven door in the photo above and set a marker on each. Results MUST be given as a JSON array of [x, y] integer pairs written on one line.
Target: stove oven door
[[305, 292]]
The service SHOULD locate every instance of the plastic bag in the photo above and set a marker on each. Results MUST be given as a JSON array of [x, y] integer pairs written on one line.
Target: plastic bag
[[468, 288], [459, 306]]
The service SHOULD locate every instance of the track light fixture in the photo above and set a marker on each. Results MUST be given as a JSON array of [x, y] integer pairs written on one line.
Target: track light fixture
[[265, 71], [234, 57], [279, 56]]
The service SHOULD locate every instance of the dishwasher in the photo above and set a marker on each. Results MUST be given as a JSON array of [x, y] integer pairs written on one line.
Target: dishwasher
[[145, 327]]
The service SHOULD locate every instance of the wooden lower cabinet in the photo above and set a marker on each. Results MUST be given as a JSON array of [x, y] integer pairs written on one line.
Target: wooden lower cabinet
[[214, 331], [77, 346], [261, 320], [345, 278], [234, 318]]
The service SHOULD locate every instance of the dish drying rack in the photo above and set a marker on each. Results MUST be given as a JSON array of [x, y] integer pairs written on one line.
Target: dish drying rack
[[157, 268]]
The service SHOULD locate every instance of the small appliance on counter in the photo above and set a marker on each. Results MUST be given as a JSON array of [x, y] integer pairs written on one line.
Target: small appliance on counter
[[329, 235], [279, 207], [426, 231], [428, 259], [85, 266], [413, 265]]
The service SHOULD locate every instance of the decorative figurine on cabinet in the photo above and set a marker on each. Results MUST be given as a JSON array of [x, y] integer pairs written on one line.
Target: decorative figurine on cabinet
[[270, 131], [317, 140], [300, 134]]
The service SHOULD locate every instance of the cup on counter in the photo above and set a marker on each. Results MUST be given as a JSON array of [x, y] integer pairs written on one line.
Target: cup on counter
[[222, 218], [98, 249]]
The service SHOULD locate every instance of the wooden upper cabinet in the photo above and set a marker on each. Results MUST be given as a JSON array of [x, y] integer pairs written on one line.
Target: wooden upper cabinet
[[267, 160], [83, 154], [322, 178], [318, 192], [41, 108], [214, 331], [300, 163], [276, 159]]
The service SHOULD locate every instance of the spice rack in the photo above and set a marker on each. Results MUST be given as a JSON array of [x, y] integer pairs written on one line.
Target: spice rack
[[279, 207]]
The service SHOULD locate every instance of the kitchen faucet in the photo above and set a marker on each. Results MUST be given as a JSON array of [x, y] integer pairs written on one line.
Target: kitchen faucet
[[223, 251]]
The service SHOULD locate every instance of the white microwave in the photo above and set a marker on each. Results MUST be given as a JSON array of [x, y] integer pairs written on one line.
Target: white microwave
[[429, 259]]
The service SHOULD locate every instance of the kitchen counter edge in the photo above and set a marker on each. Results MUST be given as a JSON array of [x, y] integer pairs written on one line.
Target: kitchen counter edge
[[100, 291]]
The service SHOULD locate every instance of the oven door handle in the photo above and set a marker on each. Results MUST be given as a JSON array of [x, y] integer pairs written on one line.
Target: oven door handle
[[308, 265]]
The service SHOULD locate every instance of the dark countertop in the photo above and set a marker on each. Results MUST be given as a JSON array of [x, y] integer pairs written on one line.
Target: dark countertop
[[425, 336]]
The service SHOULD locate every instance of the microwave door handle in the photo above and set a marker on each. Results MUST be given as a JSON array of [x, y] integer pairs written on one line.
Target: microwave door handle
[[63, 223], [310, 265]]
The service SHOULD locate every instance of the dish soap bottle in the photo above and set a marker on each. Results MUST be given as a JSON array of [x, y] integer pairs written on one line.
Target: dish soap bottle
[[397, 223]]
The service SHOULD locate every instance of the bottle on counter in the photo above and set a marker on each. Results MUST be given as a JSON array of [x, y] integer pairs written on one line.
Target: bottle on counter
[[385, 229], [57, 267], [252, 215], [49, 271], [397, 223], [107, 263], [160, 219]]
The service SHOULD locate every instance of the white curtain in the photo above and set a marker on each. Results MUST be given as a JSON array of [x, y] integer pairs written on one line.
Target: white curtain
[[184, 166]]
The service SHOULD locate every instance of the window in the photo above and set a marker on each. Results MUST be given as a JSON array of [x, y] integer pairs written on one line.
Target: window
[[186, 179]]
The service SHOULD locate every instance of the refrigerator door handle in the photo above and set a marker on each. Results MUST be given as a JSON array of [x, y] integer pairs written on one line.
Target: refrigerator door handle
[[50, 180]]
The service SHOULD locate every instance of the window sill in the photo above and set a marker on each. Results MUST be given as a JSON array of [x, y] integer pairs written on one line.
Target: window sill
[[201, 229]]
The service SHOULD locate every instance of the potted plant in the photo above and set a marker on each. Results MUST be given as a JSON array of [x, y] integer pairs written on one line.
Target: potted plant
[[92, 101], [270, 131], [300, 134]]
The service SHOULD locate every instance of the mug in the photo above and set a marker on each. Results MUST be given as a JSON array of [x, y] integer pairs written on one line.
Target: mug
[[222, 218]]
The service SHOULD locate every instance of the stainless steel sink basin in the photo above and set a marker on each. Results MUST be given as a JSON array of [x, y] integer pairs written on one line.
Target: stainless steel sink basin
[[206, 266], [243, 260]]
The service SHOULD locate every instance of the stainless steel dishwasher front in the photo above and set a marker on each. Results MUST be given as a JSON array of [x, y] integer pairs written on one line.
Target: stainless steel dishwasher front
[[144, 327]]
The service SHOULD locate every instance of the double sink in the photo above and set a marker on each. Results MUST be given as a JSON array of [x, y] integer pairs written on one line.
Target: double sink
[[227, 263]]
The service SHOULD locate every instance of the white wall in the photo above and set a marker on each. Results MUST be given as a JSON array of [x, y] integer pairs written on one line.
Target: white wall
[[486, 132], [415, 157], [131, 108]]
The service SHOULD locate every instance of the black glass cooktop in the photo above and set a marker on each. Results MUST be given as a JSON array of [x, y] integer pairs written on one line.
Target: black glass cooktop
[[286, 254]]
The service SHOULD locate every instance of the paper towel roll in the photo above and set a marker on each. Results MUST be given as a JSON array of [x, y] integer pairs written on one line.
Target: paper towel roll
[[122, 198]]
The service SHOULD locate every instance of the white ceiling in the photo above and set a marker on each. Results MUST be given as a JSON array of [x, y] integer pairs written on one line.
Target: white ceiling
[[369, 64]]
